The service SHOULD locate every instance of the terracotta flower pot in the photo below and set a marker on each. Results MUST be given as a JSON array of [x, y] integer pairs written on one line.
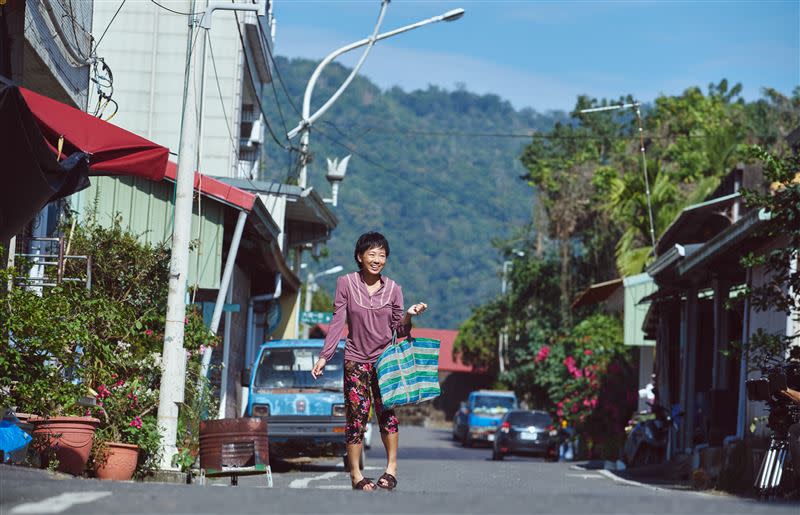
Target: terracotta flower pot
[[69, 437], [120, 463]]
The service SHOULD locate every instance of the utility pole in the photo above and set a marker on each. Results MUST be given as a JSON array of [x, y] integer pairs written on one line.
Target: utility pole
[[173, 374]]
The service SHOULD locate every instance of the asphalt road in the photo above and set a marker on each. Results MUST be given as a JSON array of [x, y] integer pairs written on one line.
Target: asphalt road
[[435, 476]]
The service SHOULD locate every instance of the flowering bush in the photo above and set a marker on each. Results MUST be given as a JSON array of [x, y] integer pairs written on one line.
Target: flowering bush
[[68, 341], [585, 378], [126, 410]]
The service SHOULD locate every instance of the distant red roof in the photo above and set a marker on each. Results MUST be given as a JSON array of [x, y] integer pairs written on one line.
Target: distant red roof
[[445, 336], [216, 189]]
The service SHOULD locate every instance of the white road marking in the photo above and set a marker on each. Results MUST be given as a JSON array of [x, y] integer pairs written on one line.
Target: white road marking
[[303, 483], [334, 487], [610, 475], [58, 503], [586, 476]]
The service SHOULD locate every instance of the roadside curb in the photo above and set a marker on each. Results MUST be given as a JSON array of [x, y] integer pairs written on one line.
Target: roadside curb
[[629, 482]]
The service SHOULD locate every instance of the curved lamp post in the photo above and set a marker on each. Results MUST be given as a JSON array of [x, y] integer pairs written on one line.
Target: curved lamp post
[[308, 119]]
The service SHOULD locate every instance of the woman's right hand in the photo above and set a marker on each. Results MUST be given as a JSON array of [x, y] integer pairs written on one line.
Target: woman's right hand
[[319, 366]]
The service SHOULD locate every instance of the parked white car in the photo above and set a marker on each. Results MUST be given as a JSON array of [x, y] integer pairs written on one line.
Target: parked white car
[[368, 436]]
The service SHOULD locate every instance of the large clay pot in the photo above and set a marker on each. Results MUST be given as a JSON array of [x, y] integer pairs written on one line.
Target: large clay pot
[[120, 462], [69, 437]]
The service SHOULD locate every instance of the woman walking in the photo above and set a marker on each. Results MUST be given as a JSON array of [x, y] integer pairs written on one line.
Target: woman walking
[[371, 305]]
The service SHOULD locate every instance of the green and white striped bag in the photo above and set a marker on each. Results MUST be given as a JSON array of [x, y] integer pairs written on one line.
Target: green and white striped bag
[[408, 371]]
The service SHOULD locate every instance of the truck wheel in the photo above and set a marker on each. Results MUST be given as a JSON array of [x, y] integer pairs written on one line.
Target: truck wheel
[[497, 456]]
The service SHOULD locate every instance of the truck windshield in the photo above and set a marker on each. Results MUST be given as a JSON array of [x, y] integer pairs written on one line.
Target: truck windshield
[[493, 404], [291, 368]]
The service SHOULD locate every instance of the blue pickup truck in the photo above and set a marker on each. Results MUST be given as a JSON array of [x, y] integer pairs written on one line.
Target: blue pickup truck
[[479, 417], [305, 418]]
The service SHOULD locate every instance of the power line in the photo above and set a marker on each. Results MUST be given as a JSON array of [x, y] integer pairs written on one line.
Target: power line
[[173, 11], [531, 134], [258, 100], [403, 177], [219, 94], [108, 26]]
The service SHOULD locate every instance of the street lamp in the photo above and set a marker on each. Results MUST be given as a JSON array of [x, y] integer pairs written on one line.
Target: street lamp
[[636, 108], [308, 119], [311, 287]]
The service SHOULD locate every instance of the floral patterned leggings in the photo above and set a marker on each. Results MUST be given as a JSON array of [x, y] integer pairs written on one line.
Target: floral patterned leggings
[[359, 379]]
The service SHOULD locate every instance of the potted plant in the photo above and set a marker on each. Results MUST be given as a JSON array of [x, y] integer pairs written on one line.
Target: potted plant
[[128, 430], [39, 370]]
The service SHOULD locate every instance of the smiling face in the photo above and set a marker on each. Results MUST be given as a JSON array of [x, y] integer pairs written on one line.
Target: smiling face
[[373, 260]]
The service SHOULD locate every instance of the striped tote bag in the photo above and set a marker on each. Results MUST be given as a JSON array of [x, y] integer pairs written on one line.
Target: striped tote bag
[[408, 371]]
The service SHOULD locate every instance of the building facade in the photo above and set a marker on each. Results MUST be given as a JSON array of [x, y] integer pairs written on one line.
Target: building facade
[[146, 49]]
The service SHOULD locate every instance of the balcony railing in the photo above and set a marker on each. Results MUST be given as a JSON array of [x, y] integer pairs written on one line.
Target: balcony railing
[[48, 264]]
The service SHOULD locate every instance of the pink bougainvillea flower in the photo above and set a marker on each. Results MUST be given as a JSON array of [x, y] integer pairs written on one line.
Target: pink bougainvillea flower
[[136, 422], [120, 383], [149, 332], [542, 354], [103, 391], [559, 412], [588, 352], [574, 408]]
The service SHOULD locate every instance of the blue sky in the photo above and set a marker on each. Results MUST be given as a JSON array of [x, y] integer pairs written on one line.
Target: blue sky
[[542, 54]]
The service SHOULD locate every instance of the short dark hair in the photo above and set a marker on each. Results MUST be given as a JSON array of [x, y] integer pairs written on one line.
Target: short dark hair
[[370, 240]]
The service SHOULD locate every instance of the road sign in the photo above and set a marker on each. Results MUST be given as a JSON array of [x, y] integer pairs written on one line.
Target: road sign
[[315, 317]]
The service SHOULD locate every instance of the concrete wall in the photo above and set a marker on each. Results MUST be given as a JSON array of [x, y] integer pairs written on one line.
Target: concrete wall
[[40, 58], [146, 50], [772, 322]]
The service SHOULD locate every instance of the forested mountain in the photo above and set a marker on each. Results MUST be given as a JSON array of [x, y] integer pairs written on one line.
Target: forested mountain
[[436, 171]]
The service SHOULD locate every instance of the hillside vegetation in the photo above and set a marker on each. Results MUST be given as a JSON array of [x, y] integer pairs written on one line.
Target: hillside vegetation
[[434, 170]]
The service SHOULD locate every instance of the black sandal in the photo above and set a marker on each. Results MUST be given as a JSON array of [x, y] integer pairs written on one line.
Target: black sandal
[[363, 483], [391, 481]]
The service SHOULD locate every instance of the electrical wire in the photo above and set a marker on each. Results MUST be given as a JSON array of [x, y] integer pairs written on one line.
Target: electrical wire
[[400, 175], [219, 93], [94, 51], [173, 11], [258, 100], [278, 73]]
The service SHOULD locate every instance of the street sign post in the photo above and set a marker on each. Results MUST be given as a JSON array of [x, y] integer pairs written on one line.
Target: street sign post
[[315, 317]]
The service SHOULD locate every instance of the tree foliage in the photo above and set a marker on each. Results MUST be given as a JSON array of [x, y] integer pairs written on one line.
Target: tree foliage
[[426, 172]]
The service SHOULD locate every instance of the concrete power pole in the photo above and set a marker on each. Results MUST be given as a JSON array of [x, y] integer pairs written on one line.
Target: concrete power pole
[[173, 374]]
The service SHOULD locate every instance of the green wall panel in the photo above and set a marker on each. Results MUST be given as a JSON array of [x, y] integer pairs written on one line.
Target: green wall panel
[[146, 210], [636, 288]]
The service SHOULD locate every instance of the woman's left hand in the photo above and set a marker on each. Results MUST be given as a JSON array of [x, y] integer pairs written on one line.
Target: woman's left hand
[[417, 309]]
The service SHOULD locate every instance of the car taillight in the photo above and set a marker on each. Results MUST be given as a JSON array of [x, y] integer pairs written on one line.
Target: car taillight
[[261, 410], [506, 427], [337, 410]]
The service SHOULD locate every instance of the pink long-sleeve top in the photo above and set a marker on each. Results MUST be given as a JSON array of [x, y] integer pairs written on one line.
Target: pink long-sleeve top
[[370, 318]]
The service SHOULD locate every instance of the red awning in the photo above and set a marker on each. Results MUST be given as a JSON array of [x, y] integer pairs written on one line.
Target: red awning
[[217, 189], [112, 150]]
